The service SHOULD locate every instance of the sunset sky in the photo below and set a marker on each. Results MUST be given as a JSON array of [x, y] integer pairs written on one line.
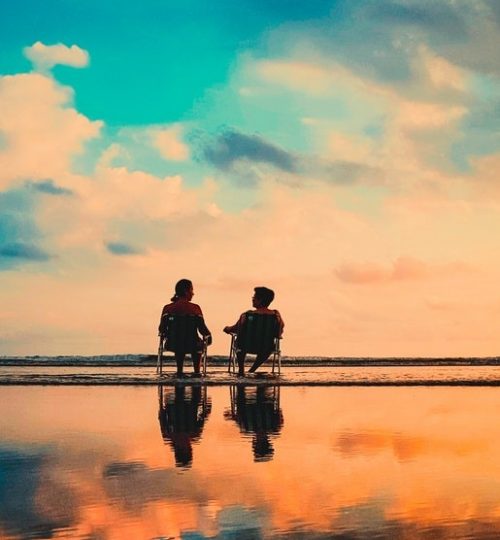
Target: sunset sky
[[345, 154]]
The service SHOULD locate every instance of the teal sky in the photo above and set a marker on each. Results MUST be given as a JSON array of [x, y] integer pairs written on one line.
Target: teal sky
[[151, 60]]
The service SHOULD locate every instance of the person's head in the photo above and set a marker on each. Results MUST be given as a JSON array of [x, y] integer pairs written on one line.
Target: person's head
[[262, 297], [183, 289]]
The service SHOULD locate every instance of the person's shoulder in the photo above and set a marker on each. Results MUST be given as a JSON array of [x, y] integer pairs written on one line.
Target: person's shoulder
[[195, 308]]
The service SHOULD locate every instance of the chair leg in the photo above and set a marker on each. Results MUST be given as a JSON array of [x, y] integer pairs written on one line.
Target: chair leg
[[204, 360], [232, 355], [159, 362], [278, 357]]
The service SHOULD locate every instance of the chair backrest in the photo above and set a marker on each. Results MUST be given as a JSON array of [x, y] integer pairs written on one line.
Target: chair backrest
[[258, 333], [180, 332]]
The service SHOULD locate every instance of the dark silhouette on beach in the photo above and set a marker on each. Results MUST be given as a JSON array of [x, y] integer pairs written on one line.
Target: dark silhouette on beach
[[182, 413], [257, 411], [181, 305], [261, 300]]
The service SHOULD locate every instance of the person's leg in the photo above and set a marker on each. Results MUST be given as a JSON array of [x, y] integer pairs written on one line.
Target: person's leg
[[259, 360], [196, 357], [179, 360], [240, 357]]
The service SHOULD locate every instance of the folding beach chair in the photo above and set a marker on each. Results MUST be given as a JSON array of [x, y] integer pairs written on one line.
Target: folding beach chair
[[259, 334], [179, 334]]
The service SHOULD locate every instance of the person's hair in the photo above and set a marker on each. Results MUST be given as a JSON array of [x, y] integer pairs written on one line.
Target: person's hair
[[181, 288], [265, 295]]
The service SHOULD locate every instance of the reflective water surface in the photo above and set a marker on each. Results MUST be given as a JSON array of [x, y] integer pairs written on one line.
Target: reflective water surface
[[296, 375], [195, 462]]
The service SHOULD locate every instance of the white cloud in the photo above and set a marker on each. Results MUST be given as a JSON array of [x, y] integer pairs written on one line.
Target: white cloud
[[45, 57], [168, 141], [42, 133]]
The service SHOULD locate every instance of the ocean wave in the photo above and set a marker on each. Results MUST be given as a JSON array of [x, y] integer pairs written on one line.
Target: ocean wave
[[145, 360]]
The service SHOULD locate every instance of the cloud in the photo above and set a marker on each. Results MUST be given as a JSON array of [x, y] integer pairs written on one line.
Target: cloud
[[45, 57], [121, 248], [18, 250], [402, 269], [42, 131], [426, 15], [19, 233], [296, 74], [240, 155], [169, 143], [50, 188], [231, 146]]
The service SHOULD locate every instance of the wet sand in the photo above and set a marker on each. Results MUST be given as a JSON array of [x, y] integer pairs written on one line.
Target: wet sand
[[308, 375]]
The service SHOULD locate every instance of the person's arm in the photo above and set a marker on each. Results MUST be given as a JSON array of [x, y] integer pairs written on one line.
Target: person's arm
[[280, 322], [163, 313], [235, 327], [204, 331], [202, 327]]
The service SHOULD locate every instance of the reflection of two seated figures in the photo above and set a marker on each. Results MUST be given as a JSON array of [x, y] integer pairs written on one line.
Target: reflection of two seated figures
[[182, 414], [257, 412]]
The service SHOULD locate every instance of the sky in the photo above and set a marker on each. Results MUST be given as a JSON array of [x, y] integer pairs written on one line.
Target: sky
[[345, 154]]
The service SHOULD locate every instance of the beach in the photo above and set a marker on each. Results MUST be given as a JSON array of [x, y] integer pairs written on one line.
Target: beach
[[298, 371]]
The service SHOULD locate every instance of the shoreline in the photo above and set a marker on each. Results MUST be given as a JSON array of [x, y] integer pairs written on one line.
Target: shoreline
[[149, 360], [245, 382]]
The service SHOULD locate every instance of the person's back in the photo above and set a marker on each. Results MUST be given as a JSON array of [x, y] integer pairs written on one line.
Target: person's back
[[182, 306]]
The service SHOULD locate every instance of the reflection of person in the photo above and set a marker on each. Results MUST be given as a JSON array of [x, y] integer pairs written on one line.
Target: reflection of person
[[257, 411], [182, 415], [182, 305], [261, 300]]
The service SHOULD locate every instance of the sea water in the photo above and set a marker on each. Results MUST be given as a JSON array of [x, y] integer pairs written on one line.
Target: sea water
[[253, 460]]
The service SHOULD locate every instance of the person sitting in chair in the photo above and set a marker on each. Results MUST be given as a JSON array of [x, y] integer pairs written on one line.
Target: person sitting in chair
[[261, 300], [181, 305]]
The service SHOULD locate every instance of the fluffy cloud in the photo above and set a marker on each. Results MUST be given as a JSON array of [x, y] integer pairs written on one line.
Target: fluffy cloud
[[45, 57], [169, 143], [42, 132]]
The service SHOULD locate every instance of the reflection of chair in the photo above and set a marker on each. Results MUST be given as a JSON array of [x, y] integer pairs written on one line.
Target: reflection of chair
[[179, 334], [259, 334], [183, 411], [257, 411]]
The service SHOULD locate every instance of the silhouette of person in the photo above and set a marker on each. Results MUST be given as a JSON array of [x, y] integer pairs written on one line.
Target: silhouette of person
[[257, 411], [181, 305], [182, 414], [261, 300]]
